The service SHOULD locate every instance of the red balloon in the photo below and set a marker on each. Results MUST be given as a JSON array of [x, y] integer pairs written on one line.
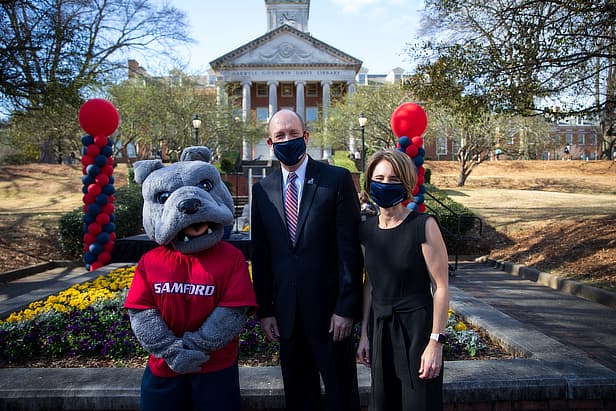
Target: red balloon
[[89, 198], [86, 160], [93, 150], [102, 179], [102, 218], [421, 208], [104, 257], [420, 180], [108, 246], [409, 119], [412, 150], [110, 161], [95, 228], [95, 265], [417, 141], [100, 141], [108, 170], [110, 198], [421, 171], [415, 190], [89, 239], [112, 237], [108, 208], [94, 189], [98, 117]]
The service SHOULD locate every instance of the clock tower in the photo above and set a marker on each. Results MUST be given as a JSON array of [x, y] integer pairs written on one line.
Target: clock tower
[[293, 13]]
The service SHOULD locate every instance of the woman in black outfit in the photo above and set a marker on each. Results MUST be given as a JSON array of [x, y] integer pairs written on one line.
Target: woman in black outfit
[[406, 295]]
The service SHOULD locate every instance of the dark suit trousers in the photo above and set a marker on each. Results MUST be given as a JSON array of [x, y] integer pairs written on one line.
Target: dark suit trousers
[[302, 359]]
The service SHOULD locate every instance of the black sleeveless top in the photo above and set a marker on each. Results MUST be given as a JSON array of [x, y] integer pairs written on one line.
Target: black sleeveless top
[[394, 260]]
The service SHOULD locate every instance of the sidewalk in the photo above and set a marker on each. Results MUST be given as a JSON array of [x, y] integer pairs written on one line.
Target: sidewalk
[[566, 347], [571, 320]]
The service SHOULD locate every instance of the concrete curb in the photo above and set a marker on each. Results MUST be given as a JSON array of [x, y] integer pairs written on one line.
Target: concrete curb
[[571, 287], [13, 275], [550, 372]]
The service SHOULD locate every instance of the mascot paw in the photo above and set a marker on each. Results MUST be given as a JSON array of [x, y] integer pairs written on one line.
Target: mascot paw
[[187, 361]]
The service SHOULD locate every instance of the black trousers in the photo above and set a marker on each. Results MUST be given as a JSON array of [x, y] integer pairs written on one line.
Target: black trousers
[[305, 359]]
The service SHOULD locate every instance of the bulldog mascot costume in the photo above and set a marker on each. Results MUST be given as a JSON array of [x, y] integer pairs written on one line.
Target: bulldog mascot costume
[[190, 295]]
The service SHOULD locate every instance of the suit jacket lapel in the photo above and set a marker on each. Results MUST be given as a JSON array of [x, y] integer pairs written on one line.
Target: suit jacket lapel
[[311, 183], [273, 188]]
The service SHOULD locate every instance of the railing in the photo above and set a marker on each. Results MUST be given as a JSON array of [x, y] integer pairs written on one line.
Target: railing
[[456, 235]]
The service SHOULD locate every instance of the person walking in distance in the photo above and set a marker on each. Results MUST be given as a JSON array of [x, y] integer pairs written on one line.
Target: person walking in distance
[[406, 295], [306, 267]]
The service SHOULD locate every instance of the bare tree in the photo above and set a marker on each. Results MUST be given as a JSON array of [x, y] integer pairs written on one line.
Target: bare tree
[[521, 53]]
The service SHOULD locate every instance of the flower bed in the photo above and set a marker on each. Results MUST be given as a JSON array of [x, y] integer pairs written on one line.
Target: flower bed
[[87, 322]]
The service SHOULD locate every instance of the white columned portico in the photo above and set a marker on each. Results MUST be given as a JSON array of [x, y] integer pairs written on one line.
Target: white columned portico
[[299, 99], [273, 97], [326, 84], [221, 94], [246, 117], [350, 88]]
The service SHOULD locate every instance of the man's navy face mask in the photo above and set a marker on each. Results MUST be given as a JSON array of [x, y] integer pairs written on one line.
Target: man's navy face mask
[[387, 195], [290, 152]]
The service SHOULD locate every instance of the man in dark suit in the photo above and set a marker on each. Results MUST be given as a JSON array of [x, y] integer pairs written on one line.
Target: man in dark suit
[[306, 266]]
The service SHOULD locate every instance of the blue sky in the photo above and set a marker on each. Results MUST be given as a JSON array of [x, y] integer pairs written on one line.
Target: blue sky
[[374, 31]]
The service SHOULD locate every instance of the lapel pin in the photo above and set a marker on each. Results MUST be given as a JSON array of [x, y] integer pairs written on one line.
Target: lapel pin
[[310, 181]]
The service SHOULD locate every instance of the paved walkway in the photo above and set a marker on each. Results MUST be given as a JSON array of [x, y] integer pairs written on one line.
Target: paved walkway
[[567, 343], [571, 320]]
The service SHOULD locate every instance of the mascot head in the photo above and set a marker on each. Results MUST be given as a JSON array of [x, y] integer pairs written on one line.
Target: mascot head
[[185, 204]]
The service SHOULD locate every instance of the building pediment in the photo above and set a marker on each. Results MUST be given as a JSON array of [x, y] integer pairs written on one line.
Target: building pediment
[[285, 47]]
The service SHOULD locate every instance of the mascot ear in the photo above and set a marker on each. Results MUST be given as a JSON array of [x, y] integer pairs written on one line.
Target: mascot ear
[[197, 153], [143, 169]]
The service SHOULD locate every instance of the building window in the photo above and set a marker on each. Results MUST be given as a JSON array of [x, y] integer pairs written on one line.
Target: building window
[[312, 114], [593, 139], [581, 139], [261, 90], [262, 114], [286, 90], [441, 146], [312, 90], [455, 147], [569, 138]]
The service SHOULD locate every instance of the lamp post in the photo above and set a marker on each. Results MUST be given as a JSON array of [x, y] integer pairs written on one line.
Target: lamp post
[[362, 124], [196, 123]]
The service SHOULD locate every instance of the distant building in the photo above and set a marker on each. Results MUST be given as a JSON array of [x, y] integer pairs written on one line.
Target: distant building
[[284, 68]]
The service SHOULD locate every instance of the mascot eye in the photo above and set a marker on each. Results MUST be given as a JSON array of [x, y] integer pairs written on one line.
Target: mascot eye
[[162, 196], [205, 184]]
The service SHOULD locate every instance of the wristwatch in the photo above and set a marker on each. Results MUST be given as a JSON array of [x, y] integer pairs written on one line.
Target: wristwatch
[[439, 338]]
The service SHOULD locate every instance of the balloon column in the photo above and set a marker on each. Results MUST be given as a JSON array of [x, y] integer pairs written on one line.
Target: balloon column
[[408, 122], [99, 119]]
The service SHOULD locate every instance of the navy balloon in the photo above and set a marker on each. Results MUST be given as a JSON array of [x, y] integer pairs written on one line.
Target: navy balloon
[[93, 170], [89, 258], [404, 142], [108, 189], [87, 140], [103, 238], [96, 248], [102, 199]]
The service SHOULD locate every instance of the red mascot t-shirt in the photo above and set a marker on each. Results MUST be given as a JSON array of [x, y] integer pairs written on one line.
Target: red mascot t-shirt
[[186, 288]]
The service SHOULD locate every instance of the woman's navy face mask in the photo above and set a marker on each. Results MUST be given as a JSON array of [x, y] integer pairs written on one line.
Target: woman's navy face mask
[[387, 195]]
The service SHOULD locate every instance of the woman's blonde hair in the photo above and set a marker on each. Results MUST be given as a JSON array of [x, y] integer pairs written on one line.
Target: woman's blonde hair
[[401, 163]]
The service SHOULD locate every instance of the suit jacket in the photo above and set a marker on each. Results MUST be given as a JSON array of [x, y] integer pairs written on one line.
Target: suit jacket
[[321, 274]]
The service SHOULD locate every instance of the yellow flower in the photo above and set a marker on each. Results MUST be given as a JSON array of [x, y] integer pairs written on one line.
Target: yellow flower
[[79, 296], [460, 326]]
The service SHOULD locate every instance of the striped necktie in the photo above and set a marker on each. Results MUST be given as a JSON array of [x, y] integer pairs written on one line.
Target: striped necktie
[[290, 205]]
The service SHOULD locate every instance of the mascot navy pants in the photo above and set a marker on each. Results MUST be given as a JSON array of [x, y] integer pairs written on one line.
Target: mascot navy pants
[[215, 391]]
